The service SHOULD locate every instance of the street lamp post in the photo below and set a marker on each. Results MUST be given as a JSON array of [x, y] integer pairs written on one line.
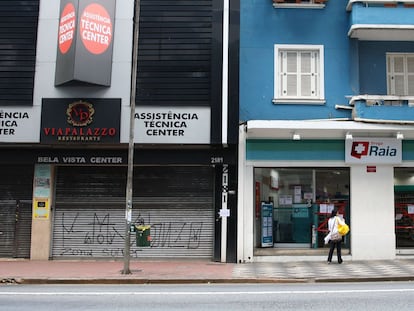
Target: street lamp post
[[129, 186]]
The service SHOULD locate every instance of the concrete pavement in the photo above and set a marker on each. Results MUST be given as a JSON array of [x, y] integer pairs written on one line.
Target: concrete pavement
[[198, 271]]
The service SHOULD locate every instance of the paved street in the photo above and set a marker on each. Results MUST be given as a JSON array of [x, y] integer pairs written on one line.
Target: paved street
[[202, 297], [55, 271]]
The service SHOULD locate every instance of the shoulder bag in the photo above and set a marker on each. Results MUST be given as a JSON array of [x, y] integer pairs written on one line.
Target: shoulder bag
[[336, 237]]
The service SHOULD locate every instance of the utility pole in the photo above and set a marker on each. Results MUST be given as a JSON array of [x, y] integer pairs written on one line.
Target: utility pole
[[129, 186]]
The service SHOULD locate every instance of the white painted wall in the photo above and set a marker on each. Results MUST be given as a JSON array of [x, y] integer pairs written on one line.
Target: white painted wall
[[372, 213], [248, 211], [240, 197]]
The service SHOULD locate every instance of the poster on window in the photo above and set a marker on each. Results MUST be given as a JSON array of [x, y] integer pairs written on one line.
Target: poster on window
[[267, 224]]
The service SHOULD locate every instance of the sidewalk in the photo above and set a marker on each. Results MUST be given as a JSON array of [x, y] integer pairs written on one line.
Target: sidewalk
[[146, 272]]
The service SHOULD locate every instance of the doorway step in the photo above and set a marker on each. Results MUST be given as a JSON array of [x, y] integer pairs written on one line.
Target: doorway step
[[297, 254]]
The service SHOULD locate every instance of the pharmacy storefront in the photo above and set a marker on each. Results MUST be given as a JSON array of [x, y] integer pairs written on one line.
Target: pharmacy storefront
[[293, 174]]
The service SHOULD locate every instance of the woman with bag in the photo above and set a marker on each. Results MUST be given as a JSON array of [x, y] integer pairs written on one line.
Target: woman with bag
[[335, 239]]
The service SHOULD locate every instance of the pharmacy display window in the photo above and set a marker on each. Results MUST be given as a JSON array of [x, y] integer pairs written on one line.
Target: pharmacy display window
[[302, 200], [404, 207]]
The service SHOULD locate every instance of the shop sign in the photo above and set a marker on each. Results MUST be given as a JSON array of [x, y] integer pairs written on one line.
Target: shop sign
[[85, 37], [81, 159], [373, 150], [172, 125], [19, 125], [80, 121]]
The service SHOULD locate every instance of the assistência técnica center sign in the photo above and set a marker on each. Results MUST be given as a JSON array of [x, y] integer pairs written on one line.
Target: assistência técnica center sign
[[95, 28], [67, 27], [85, 35]]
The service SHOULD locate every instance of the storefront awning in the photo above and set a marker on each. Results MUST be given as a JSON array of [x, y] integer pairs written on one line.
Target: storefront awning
[[324, 129]]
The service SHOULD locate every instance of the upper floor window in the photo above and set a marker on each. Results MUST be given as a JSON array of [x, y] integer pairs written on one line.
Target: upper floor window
[[299, 74], [400, 74]]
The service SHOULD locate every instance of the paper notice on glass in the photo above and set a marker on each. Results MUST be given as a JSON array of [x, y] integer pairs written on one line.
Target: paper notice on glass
[[410, 209], [308, 196], [128, 215], [285, 200], [224, 212], [326, 208]]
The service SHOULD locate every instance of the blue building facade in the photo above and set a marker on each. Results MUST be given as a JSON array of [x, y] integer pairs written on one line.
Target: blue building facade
[[327, 121]]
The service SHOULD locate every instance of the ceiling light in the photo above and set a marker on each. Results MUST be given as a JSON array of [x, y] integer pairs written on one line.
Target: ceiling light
[[296, 136], [348, 136], [400, 135]]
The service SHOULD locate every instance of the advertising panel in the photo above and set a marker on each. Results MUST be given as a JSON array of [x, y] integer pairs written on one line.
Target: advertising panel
[[267, 224], [41, 192], [19, 125], [85, 42], [77, 121], [373, 150], [172, 125]]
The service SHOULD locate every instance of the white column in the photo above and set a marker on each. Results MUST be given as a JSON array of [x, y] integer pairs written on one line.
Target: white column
[[225, 73], [372, 213]]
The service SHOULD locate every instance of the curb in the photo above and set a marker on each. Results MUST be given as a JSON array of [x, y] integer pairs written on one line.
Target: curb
[[44, 281], [103, 281], [366, 279]]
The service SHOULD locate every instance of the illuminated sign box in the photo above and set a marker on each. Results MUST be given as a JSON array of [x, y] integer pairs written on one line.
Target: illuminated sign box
[[172, 125], [80, 121], [85, 42], [373, 150]]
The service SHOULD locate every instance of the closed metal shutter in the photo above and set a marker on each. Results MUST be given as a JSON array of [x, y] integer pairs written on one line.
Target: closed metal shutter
[[18, 37], [15, 211], [177, 202], [23, 229], [7, 225], [175, 54]]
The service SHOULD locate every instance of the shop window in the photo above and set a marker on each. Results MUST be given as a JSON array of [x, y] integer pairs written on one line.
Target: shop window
[[404, 207], [299, 74], [400, 74], [302, 200]]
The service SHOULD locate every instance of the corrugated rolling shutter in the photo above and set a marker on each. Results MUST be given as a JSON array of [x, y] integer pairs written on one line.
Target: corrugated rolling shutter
[[23, 229], [177, 202], [18, 37], [15, 211], [175, 52], [7, 225]]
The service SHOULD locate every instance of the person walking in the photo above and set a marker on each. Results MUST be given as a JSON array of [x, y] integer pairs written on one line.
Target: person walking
[[335, 239]]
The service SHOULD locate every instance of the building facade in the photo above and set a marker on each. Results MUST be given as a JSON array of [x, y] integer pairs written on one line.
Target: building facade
[[326, 99], [66, 131]]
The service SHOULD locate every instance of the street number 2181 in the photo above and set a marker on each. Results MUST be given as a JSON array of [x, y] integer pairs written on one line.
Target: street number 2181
[[216, 160]]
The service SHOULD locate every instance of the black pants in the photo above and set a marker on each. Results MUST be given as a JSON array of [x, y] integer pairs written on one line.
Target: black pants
[[334, 244]]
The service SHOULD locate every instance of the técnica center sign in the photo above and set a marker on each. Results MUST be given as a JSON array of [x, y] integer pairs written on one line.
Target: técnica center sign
[[95, 28], [67, 27]]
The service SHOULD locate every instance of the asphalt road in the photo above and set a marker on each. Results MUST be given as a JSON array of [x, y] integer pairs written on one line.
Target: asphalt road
[[249, 297]]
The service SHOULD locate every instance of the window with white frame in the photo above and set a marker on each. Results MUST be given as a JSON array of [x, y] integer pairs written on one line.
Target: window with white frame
[[400, 74], [299, 74]]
